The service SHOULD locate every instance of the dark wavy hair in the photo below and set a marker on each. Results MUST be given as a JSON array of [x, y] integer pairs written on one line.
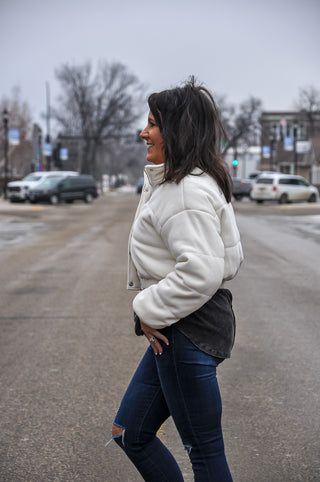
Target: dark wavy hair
[[192, 133]]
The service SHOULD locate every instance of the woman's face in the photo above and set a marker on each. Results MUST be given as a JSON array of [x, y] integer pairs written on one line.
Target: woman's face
[[152, 135]]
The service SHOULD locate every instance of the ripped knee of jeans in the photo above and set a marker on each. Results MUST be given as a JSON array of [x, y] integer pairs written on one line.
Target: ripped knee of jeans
[[188, 448], [117, 432]]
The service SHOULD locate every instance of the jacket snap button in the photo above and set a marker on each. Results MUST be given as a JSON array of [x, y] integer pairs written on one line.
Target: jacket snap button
[[131, 283]]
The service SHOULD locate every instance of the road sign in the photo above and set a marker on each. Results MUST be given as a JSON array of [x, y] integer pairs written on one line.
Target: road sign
[[64, 154], [47, 148], [303, 146], [14, 139], [266, 152], [288, 143]]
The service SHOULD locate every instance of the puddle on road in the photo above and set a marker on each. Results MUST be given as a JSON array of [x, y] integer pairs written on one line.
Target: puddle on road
[[13, 232], [307, 225]]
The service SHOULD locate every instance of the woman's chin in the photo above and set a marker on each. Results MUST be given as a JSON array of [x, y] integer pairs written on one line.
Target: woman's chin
[[154, 160]]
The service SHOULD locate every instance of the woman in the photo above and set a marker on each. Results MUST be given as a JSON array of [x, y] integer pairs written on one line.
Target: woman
[[184, 245]]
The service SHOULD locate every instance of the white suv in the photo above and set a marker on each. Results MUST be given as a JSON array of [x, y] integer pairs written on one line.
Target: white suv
[[283, 188], [19, 190]]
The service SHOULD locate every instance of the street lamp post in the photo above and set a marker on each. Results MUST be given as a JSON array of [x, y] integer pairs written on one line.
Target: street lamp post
[[271, 152], [48, 140], [272, 138], [295, 154], [235, 160], [5, 115]]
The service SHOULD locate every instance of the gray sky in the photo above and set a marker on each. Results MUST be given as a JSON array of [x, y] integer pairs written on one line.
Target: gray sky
[[236, 47]]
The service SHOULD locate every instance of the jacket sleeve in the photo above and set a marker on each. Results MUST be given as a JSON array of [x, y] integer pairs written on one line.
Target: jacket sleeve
[[193, 239]]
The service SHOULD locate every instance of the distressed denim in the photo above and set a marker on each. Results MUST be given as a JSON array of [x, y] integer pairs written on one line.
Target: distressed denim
[[182, 383]]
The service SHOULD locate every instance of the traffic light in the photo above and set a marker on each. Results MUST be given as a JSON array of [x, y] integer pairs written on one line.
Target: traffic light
[[234, 164]]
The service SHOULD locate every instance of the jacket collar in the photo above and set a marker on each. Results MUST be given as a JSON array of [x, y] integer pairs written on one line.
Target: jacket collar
[[154, 173]]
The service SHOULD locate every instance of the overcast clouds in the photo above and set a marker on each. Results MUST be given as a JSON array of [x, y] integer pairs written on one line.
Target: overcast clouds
[[237, 47]]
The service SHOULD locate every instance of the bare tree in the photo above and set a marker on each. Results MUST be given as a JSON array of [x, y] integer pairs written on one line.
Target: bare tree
[[20, 156], [97, 106], [308, 104], [241, 123], [309, 99], [19, 112]]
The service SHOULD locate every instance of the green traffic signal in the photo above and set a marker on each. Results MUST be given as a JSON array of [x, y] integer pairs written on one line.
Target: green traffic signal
[[235, 162]]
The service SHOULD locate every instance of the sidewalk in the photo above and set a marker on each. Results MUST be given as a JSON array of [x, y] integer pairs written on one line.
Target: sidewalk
[[18, 209], [273, 208]]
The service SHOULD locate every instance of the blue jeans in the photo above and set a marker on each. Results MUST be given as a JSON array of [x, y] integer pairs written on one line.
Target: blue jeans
[[182, 383]]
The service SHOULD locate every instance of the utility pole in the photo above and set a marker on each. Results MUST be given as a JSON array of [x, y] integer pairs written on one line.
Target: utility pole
[[5, 115], [273, 138], [48, 115], [295, 154]]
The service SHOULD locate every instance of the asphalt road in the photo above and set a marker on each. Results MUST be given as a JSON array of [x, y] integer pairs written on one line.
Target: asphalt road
[[67, 347]]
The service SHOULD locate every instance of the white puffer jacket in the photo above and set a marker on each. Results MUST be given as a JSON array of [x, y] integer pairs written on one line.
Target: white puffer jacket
[[183, 245]]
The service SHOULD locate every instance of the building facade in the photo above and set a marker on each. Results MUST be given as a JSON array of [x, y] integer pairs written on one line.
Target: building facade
[[290, 143]]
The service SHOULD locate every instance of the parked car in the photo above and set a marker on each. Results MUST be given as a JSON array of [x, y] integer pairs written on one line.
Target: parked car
[[19, 190], [68, 189], [283, 188], [242, 188]]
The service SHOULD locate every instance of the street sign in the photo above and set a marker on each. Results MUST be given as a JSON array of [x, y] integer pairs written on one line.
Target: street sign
[[14, 139], [47, 148], [303, 146], [266, 152], [288, 143], [64, 154]]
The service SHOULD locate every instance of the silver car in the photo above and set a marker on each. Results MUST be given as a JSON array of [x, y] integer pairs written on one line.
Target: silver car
[[283, 188]]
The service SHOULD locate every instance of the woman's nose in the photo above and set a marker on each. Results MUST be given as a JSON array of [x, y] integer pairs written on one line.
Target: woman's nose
[[143, 134]]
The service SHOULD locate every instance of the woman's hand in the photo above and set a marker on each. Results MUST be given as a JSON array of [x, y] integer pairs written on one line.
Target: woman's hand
[[153, 336]]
